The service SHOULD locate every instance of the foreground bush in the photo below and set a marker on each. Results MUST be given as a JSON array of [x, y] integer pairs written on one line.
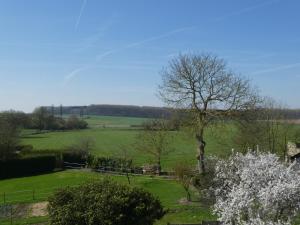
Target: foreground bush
[[104, 202]]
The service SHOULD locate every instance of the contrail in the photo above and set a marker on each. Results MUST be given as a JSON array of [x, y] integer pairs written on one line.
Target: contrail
[[246, 10], [138, 43], [80, 13], [73, 74], [99, 57], [275, 69]]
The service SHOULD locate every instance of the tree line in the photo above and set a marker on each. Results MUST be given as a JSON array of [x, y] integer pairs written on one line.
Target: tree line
[[13, 122], [137, 111], [110, 110]]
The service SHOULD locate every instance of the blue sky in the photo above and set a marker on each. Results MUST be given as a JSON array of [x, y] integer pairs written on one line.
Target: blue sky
[[80, 52]]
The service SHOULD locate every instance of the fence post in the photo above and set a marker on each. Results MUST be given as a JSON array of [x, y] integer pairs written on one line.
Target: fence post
[[4, 198], [11, 215]]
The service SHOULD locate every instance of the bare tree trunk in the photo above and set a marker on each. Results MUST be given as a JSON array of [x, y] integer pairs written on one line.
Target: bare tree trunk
[[201, 148], [158, 166], [127, 175], [188, 195]]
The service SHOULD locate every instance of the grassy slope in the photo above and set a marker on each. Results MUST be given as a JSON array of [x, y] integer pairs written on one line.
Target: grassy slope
[[169, 192]]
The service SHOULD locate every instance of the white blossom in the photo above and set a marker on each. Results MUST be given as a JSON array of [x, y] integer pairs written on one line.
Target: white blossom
[[256, 189]]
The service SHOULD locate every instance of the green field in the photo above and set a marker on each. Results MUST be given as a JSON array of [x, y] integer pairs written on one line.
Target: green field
[[111, 141], [20, 190], [100, 121]]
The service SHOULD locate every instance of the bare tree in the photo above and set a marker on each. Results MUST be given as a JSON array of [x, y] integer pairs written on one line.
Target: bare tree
[[155, 139], [127, 162], [82, 148], [266, 127], [207, 90], [40, 117], [184, 173], [61, 111], [9, 137], [296, 136]]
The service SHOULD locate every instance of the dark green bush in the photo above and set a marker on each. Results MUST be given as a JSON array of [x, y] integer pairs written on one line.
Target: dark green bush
[[104, 202], [27, 166]]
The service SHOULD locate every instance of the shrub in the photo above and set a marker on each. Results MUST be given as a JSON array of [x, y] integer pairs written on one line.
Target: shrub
[[104, 202], [111, 163], [73, 122]]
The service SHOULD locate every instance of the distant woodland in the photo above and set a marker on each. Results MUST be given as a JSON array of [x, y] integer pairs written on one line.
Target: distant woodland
[[136, 111], [111, 110]]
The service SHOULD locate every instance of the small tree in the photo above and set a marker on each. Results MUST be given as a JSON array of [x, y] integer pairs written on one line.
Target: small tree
[[184, 173], [40, 117], [73, 122], [104, 202], [127, 162], [266, 127], [296, 137], [155, 139], [81, 149], [9, 138], [206, 89], [256, 188]]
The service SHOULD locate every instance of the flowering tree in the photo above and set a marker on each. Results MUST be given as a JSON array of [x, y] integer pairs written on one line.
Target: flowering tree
[[256, 189]]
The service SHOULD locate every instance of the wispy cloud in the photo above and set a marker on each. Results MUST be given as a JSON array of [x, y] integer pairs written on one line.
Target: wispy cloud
[[278, 68], [246, 10], [141, 42], [84, 2]]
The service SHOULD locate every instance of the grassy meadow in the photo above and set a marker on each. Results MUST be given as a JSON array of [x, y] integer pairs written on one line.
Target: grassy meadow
[[112, 134]]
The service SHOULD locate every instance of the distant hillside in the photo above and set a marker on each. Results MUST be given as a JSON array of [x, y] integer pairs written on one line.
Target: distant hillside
[[112, 110]]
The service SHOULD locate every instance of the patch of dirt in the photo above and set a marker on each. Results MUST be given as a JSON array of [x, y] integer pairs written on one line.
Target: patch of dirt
[[184, 201], [21, 210], [39, 209]]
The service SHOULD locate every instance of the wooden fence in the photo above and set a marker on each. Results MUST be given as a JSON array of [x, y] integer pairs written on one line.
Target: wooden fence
[[202, 223]]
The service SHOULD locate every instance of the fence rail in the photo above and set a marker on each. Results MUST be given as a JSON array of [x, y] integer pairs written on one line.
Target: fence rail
[[202, 223]]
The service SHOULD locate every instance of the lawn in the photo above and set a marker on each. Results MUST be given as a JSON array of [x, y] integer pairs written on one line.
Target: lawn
[[21, 190]]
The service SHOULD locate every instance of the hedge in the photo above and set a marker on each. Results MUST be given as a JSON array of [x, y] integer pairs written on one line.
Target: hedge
[[27, 166], [72, 157]]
